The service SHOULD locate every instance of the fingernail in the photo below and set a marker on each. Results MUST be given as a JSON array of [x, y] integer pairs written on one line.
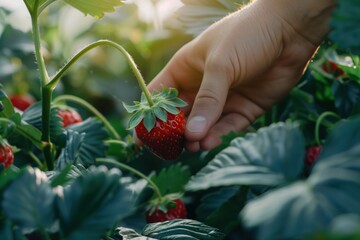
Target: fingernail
[[196, 124]]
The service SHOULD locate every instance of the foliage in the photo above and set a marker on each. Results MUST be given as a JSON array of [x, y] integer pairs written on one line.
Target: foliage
[[91, 181], [345, 24]]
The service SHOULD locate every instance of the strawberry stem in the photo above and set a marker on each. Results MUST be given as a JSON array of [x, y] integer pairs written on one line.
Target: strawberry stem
[[117, 142], [134, 171], [318, 123], [89, 107], [36, 160], [46, 93], [55, 79]]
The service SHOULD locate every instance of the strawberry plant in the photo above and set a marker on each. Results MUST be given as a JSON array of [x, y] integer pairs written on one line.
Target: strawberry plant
[[68, 172], [58, 180]]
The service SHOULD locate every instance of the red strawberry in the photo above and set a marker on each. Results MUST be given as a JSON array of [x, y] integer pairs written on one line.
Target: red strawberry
[[69, 116], [166, 139], [160, 124], [21, 102], [174, 209], [332, 68], [312, 154], [6, 154]]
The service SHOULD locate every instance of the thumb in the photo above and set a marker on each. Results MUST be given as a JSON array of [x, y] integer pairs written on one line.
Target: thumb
[[208, 105]]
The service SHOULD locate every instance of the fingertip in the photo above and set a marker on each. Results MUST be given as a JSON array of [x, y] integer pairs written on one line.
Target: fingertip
[[137, 141], [196, 128], [192, 146]]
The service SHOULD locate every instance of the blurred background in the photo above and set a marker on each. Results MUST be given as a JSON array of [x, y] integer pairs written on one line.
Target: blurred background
[[148, 29]]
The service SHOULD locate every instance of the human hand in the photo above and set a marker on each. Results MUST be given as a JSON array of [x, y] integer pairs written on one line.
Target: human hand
[[242, 65]]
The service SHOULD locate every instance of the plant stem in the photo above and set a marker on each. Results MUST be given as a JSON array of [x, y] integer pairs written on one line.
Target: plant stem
[[47, 145], [21, 131], [36, 159], [44, 77], [318, 123], [46, 91], [55, 79], [45, 5], [117, 142], [134, 171], [89, 107]]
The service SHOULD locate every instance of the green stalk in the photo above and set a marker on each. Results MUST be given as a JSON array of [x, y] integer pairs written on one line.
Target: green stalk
[[45, 138], [36, 159], [24, 133], [134, 171], [116, 142], [55, 79], [44, 77], [46, 91], [318, 124], [45, 5], [89, 107]]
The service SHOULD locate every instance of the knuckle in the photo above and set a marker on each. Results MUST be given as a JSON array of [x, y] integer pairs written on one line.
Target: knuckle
[[208, 96]]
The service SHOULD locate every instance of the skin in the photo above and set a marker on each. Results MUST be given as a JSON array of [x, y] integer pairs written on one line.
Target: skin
[[243, 64]]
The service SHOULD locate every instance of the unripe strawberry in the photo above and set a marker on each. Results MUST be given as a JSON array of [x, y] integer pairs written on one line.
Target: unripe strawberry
[[21, 102], [6, 154], [69, 116], [173, 210]]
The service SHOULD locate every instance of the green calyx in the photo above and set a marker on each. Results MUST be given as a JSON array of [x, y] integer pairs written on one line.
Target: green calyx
[[163, 204], [162, 102]]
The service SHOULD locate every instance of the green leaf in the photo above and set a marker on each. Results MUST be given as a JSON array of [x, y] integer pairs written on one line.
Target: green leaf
[[130, 234], [214, 200], [346, 225], [95, 8], [70, 154], [169, 108], [135, 119], [333, 189], [178, 102], [345, 25], [7, 109], [272, 156], [346, 96], [348, 132], [182, 229], [93, 145], [8, 176], [66, 176], [29, 201], [30, 132], [149, 120], [33, 116], [172, 179], [131, 108], [92, 204], [160, 113], [59, 178], [226, 217], [6, 231], [9, 233]]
